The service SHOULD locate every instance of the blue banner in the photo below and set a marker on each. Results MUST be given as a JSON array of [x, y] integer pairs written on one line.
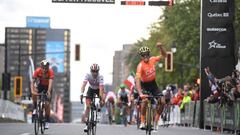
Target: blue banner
[[38, 22], [55, 55]]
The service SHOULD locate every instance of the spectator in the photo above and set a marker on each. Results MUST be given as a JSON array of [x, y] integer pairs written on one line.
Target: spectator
[[186, 99]]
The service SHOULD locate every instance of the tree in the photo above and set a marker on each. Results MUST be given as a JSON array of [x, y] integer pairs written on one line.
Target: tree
[[180, 24]]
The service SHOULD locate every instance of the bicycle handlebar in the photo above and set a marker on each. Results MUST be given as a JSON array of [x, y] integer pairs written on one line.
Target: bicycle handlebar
[[89, 97]]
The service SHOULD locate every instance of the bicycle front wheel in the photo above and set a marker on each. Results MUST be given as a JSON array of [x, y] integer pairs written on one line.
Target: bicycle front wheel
[[138, 117], [149, 121], [41, 118], [124, 116], [36, 125]]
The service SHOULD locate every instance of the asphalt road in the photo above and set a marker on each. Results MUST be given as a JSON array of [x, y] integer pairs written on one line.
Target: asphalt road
[[77, 129]]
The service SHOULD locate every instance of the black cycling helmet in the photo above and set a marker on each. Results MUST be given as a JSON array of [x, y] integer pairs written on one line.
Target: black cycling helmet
[[144, 50], [94, 67]]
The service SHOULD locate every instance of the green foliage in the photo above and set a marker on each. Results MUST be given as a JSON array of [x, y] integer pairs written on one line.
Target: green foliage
[[179, 24], [237, 20]]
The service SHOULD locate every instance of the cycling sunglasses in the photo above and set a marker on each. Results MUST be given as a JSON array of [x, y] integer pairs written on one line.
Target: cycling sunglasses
[[145, 55]]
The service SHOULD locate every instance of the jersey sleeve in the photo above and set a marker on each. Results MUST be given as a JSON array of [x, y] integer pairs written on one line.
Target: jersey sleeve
[[51, 74], [86, 78], [36, 72]]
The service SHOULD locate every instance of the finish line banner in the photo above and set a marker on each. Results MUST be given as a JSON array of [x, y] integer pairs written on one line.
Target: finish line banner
[[217, 40], [85, 1]]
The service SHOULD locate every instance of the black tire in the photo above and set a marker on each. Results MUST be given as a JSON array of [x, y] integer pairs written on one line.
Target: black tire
[[94, 129], [110, 113], [149, 121], [42, 127], [89, 125], [41, 118], [138, 119], [36, 125], [124, 116]]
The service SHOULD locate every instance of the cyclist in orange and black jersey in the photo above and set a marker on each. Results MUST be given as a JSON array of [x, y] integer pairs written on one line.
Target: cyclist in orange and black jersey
[[145, 79]]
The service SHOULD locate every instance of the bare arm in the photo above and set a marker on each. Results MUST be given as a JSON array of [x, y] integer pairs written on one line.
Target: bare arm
[[162, 50], [33, 91], [138, 85], [50, 86], [83, 86]]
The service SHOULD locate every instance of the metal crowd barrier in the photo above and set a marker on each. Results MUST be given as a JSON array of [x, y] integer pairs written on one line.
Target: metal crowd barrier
[[215, 118], [226, 117], [190, 114], [9, 110]]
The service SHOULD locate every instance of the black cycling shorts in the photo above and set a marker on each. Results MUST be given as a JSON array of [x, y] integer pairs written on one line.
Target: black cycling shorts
[[91, 92], [43, 88], [150, 87]]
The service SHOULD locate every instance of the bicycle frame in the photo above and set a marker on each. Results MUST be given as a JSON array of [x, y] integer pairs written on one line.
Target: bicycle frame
[[149, 114]]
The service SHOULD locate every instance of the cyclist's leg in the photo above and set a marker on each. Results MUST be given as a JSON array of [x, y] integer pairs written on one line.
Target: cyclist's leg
[[113, 110], [157, 110], [143, 111], [48, 108], [88, 102]]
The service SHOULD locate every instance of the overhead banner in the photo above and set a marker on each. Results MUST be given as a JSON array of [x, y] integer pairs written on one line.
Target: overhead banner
[[85, 1]]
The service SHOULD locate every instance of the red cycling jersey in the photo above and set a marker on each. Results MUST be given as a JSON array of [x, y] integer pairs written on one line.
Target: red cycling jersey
[[146, 71], [44, 78]]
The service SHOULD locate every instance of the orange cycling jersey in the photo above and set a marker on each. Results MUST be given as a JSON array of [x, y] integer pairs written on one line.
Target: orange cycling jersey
[[44, 78], [146, 71]]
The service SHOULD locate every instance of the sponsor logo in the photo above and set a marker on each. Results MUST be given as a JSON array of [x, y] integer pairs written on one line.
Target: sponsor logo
[[214, 44], [216, 29], [217, 15], [218, 1]]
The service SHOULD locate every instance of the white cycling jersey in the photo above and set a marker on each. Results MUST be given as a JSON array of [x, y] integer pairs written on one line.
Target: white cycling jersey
[[94, 83], [111, 94]]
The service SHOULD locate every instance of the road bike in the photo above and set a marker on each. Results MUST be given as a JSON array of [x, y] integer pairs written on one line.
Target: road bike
[[40, 117], [166, 115], [124, 113], [109, 109], [150, 113], [92, 116]]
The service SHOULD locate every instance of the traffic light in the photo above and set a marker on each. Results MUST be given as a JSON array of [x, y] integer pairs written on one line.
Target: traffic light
[[18, 86], [161, 3], [77, 52], [6, 80], [169, 62]]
